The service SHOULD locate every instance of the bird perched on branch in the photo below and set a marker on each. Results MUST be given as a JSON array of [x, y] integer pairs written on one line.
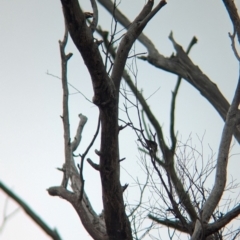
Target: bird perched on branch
[[152, 146]]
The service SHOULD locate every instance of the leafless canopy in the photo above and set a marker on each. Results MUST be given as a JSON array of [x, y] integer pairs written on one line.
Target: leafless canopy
[[113, 223]]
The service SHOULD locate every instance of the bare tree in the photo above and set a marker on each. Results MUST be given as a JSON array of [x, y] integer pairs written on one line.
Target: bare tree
[[193, 208], [106, 97]]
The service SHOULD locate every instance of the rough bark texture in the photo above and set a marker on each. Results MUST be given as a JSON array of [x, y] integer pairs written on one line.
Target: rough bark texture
[[233, 14], [181, 65], [106, 94], [93, 223], [113, 223]]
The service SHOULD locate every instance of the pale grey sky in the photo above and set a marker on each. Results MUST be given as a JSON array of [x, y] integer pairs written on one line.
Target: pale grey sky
[[31, 135]]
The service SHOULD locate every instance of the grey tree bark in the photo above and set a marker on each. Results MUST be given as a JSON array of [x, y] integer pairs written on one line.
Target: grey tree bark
[[114, 224], [106, 96]]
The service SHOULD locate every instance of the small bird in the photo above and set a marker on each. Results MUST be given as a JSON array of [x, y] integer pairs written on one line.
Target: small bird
[[152, 146]]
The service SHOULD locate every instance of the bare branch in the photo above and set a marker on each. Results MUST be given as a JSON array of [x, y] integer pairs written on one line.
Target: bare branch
[[234, 46], [161, 4], [84, 155], [180, 66], [94, 165], [126, 23], [233, 14], [53, 233], [130, 37], [222, 161], [6, 216], [142, 189], [65, 116], [78, 136], [94, 22], [174, 95], [91, 221], [50, 74], [82, 37], [169, 223], [168, 155], [183, 66], [166, 152], [223, 221]]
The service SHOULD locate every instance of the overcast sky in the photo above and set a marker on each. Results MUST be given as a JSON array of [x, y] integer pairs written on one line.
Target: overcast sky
[[31, 135]]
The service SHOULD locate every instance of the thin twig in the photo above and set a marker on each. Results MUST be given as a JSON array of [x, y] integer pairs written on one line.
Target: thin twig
[[84, 155], [173, 103], [50, 74]]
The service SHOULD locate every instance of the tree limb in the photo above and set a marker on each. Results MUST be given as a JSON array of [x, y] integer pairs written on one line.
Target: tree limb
[[223, 221], [94, 225], [78, 136], [94, 22], [170, 223], [82, 37], [168, 155], [91, 221], [173, 103], [180, 65], [53, 233], [126, 43], [222, 161], [233, 14]]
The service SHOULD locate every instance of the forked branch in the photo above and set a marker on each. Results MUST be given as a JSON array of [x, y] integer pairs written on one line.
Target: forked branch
[[180, 65], [83, 207], [222, 161]]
